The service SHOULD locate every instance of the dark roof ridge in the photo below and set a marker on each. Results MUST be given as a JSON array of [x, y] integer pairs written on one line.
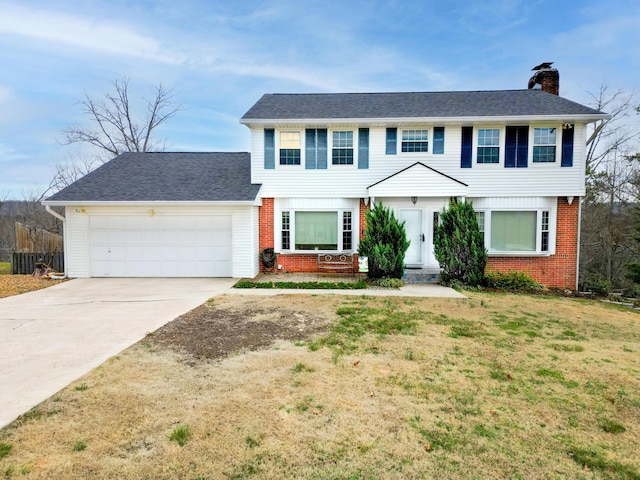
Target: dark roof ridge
[[407, 91]]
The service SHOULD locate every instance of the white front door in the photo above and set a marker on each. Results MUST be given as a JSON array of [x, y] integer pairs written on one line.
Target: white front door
[[412, 218]]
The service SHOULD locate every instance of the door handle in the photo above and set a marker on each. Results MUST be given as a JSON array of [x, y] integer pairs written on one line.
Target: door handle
[[422, 237]]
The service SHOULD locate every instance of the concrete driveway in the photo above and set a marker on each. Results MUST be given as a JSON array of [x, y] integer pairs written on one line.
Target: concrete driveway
[[50, 337]]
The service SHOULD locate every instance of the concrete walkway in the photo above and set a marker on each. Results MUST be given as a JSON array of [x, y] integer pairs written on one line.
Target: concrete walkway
[[50, 337], [406, 291]]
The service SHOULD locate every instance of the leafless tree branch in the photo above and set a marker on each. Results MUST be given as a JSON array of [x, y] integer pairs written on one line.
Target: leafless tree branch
[[115, 128]]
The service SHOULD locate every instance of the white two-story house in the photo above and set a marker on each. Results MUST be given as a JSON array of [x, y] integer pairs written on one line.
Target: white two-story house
[[319, 161]]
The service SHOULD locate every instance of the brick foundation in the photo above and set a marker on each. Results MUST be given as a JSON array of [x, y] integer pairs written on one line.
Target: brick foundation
[[558, 270], [298, 262]]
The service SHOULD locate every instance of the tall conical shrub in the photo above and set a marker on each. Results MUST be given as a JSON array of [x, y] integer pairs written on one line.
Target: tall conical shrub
[[459, 245], [385, 243]]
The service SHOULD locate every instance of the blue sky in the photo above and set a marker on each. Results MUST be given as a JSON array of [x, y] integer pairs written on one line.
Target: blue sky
[[220, 57]]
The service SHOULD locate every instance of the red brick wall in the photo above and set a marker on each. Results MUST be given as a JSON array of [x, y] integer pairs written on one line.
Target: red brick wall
[[265, 225], [297, 262], [558, 270]]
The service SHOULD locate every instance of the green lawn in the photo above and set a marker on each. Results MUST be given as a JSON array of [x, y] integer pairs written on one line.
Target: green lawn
[[5, 268]]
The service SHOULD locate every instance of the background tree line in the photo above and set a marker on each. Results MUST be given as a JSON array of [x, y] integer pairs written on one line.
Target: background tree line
[[610, 208]]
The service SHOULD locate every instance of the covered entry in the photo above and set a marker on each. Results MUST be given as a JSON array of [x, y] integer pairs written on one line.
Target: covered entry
[[417, 194]]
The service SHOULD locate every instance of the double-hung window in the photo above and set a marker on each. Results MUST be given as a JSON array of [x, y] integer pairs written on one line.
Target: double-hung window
[[544, 145], [415, 140], [290, 148], [317, 230], [342, 148], [488, 145]]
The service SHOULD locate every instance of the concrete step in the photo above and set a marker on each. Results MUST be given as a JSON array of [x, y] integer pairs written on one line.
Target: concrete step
[[421, 276]]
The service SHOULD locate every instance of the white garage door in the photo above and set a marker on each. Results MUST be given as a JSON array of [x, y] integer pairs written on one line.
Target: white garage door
[[160, 246]]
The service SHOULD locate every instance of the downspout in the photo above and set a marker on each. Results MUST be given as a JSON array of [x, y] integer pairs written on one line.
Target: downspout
[[64, 241], [578, 249]]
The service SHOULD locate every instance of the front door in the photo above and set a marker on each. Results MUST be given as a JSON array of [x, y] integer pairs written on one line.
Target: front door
[[412, 218]]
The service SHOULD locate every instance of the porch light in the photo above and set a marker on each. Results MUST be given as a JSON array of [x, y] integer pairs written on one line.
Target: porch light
[[414, 200], [151, 213]]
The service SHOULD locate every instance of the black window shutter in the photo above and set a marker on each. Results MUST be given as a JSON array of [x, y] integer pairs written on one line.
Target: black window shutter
[[516, 147], [392, 140], [567, 146], [466, 153], [363, 148], [269, 148], [321, 150], [310, 148], [438, 140], [523, 147]]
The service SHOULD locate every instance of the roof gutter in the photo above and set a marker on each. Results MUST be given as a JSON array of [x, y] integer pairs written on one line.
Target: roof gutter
[[583, 118], [64, 240]]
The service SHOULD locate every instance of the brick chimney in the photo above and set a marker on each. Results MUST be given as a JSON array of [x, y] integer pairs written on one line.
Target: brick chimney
[[546, 78]]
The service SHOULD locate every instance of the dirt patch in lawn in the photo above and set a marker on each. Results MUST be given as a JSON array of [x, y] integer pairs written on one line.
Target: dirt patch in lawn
[[491, 386], [233, 325], [16, 284]]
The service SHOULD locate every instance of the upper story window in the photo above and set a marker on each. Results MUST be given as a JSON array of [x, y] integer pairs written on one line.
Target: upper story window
[[544, 145], [289, 148], [415, 140], [342, 148], [488, 145]]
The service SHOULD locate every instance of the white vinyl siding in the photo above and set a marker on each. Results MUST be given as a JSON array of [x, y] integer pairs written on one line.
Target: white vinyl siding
[[483, 180]]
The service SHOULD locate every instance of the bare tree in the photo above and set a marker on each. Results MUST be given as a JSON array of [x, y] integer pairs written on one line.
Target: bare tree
[[606, 240], [71, 170], [612, 134], [115, 127]]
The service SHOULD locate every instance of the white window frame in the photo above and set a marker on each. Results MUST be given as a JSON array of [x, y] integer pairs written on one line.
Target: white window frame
[[355, 145], [400, 140], [340, 231], [278, 134], [538, 251], [532, 145], [499, 146], [475, 145]]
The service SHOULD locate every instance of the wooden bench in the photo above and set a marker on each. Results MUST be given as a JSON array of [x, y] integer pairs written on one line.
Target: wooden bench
[[335, 261]]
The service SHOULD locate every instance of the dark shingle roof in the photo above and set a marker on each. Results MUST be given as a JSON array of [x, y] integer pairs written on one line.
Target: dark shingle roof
[[166, 176], [413, 104]]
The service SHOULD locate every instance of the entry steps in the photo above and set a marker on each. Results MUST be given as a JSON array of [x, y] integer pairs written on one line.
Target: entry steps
[[415, 276]]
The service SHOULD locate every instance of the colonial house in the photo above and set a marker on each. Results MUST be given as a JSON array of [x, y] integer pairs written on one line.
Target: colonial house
[[319, 161]]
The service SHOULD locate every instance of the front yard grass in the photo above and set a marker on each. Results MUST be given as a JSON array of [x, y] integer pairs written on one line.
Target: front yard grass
[[492, 386], [5, 268]]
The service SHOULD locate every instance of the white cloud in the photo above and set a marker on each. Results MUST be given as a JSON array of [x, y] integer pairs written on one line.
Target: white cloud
[[79, 32]]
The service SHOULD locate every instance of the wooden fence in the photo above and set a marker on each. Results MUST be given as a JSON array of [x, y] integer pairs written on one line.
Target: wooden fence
[[37, 240], [25, 263]]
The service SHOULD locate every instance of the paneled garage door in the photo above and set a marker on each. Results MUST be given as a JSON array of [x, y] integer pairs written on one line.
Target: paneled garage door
[[160, 246]]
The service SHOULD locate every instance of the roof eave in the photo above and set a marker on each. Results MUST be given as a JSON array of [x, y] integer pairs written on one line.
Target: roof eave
[[578, 118], [156, 203]]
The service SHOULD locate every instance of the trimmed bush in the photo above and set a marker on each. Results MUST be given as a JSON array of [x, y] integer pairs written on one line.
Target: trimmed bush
[[385, 243], [459, 245], [511, 281]]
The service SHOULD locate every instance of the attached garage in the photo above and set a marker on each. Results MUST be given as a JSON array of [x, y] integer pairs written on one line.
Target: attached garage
[[163, 215], [160, 246]]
